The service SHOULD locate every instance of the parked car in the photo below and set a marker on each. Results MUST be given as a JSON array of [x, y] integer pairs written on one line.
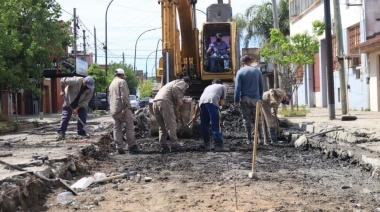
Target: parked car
[[101, 103], [134, 103], [144, 102]]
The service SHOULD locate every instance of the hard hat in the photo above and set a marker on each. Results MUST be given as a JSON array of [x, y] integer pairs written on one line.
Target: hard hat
[[119, 71]]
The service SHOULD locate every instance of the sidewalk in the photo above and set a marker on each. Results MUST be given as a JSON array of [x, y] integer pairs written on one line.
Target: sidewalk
[[360, 139], [56, 118]]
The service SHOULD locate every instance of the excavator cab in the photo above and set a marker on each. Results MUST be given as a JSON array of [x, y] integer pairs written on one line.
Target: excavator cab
[[217, 48], [219, 44]]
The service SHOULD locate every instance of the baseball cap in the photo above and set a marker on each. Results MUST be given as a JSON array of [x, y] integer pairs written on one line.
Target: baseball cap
[[90, 82], [218, 35], [245, 59], [119, 71], [187, 79]]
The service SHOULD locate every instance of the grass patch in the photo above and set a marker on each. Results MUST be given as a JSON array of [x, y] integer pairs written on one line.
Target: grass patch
[[287, 112], [99, 112]]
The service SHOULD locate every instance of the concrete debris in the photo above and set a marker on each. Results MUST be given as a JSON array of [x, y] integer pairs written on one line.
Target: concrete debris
[[148, 179]]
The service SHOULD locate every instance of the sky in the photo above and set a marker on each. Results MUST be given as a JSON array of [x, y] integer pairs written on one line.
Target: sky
[[126, 21]]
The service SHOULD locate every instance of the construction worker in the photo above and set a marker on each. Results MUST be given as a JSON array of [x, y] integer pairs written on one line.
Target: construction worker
[[272, 99], [120, 109], [248, 91], [166, 110], [77, 92], [212, 97]]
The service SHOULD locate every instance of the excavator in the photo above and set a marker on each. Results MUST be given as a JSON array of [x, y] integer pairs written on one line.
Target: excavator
[[184, 48]]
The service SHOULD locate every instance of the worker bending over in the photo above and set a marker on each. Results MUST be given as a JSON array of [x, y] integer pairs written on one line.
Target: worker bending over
[[166, 109], [272, 99]]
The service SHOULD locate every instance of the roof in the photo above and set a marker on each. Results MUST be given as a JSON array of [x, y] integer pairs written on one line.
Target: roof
[[370, 45]]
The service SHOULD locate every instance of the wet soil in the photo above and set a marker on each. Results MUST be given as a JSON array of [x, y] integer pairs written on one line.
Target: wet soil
[[289, 179]]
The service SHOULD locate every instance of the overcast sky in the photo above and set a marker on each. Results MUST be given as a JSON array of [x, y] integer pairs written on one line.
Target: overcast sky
[[126, 20]]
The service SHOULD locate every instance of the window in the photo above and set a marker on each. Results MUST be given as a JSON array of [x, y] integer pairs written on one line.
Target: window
[[297, 7], [357, 73], [353, 41]]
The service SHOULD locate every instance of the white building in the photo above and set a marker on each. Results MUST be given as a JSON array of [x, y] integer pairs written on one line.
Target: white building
[[360, 24]]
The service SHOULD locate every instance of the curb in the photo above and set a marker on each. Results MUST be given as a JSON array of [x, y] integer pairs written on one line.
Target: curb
[[343, 145]]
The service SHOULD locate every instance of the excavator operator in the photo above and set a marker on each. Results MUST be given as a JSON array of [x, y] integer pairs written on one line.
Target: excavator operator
[[219, 49]]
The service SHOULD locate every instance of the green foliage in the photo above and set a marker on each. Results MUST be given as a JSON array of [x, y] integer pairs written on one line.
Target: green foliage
[[30, 34], [130, 75], [99, 75], [291, 54], [146, 89], [318, 27], [259, 21]]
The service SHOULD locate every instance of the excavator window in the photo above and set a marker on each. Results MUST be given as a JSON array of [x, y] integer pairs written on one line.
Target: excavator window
[[217, 61]]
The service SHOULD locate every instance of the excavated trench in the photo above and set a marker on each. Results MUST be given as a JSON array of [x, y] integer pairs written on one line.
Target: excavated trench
[[315, 177]]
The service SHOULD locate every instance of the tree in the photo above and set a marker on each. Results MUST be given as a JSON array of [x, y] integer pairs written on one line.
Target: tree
[[146, 89], [259, 21], [99, 76], [30, 36], [291, 54], [130, 75]]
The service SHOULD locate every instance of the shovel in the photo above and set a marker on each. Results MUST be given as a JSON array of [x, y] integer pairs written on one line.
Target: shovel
[[253, 174], [58, 181], [88, 130]]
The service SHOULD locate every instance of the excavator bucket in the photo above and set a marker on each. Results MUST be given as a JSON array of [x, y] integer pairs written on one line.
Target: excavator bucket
[[187, 111]]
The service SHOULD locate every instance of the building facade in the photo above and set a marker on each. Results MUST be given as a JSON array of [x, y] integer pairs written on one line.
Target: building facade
[[361, 63]]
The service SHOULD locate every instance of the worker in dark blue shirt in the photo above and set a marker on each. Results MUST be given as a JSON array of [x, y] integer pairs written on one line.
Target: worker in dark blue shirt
[[248, 91]]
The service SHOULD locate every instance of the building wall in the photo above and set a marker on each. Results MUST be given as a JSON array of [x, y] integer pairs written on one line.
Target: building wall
[[358, 96], [373, 70]]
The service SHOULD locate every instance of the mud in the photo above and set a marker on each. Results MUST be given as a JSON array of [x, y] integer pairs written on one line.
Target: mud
[[288, 180]]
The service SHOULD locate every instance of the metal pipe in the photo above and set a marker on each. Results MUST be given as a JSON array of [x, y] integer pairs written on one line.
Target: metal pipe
[[167, 66]]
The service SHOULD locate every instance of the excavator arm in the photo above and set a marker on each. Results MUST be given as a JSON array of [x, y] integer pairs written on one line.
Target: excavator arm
[[179, 40]]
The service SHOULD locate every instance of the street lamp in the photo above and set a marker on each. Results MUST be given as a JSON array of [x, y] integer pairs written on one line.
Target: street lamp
[[134, 66], [155, 61], [105, 47], [146, 64], [201, 11]]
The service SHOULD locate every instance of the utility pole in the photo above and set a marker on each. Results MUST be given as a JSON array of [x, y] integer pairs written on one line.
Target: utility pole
[[84, 45], [123, 59], [276, 26], [96, 51], [75, 34], [340, 56], [329, 68]]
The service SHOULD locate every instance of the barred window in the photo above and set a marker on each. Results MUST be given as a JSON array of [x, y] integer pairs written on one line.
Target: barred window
[[353, 38]]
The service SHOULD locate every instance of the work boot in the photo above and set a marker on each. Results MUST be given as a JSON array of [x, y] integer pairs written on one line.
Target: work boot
[[209, 147], [135, 149], [273, 135], [177, 149], [221, 148], [121, 151], [164, 149], [82, 133], [61, 137]]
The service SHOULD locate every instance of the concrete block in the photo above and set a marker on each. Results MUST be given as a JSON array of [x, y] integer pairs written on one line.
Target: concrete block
[[309, 128], [374, 162]]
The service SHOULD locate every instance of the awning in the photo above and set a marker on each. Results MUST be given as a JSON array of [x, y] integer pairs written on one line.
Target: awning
[[369, 46]]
